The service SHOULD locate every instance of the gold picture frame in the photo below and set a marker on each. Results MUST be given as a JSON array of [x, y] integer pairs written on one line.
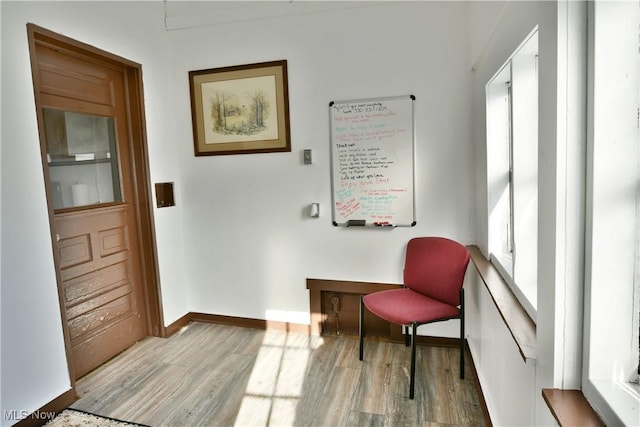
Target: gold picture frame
[[240, 109]]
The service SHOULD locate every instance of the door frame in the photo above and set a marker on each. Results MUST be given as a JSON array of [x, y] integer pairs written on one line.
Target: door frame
[[138, 151]]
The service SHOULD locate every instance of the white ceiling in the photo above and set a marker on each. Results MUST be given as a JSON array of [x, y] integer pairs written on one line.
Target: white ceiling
[[187, 13]]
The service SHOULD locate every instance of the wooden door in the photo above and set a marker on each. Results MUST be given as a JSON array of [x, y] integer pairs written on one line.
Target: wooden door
[[89, 168]]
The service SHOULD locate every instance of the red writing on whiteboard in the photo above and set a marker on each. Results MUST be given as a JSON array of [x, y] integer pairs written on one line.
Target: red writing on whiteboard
[[347, 207]]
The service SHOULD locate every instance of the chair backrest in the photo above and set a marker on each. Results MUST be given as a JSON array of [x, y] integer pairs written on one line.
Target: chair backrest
[[435, 266]]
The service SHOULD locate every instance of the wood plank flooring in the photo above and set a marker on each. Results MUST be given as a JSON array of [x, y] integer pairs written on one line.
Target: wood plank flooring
[[219, 375]]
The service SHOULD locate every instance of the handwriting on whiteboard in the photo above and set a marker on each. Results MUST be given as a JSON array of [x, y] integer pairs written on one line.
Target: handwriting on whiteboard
[[366, 161]]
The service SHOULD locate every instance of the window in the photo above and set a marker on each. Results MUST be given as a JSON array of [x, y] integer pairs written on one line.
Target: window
[[512, 171], [611, 348]]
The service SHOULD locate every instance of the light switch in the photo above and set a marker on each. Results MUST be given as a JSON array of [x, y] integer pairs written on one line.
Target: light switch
[[307, 156]]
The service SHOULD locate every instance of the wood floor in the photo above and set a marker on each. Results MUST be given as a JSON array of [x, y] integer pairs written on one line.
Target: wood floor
[[218, 375]]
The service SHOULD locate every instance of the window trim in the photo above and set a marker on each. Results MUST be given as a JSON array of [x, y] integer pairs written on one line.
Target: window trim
[[508, 279]]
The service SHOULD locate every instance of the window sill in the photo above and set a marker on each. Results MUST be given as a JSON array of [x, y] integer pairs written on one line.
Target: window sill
[[618, 403], [515, 317], [570, 408]]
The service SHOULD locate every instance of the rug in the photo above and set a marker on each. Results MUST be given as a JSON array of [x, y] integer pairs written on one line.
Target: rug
[[75, 418]]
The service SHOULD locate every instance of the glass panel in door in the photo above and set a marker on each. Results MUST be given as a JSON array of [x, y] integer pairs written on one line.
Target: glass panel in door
[[82, 158]]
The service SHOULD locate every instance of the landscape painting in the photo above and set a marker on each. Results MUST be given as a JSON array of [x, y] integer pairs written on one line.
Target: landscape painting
[[240, 109]]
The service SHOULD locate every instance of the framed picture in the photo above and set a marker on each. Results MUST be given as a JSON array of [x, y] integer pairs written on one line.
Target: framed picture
[[241, 109]]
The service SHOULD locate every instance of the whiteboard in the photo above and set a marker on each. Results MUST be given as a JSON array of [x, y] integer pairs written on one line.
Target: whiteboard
[[372, 161]]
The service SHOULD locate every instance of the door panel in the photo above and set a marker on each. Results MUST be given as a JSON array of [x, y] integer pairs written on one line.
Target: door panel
[[98, 255], [76, 86], [75, 78]]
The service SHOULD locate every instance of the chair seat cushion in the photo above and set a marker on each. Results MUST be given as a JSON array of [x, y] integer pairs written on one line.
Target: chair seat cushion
[[404, 306]]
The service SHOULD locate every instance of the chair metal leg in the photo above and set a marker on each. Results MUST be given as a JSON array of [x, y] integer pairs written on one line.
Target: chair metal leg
[[462, 349], [361, 326], [407, 337], [413, 360]]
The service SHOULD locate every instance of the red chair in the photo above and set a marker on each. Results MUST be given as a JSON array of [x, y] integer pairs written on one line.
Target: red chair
[[434, 272]]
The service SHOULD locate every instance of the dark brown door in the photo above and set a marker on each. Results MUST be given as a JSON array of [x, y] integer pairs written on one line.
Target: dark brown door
[[82, 104]]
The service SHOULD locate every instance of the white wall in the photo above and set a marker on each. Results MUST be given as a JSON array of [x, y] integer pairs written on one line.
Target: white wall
[[251, 245], [508, 383]]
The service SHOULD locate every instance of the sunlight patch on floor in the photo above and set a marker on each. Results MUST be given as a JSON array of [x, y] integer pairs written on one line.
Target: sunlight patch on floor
[[272, 396]]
